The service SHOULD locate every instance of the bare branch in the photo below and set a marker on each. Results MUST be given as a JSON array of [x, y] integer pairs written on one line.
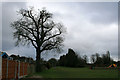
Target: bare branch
[[32, 41], [32, 17], [49, 46], [52, 37]]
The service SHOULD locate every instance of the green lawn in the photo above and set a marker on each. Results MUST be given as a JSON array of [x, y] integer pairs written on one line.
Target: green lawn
[[65, 72]]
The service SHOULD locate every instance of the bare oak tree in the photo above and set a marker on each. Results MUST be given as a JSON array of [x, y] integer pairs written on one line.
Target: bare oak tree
[[38, 29]]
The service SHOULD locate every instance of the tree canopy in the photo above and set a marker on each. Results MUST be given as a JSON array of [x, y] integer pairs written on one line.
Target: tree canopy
[[39, 29]]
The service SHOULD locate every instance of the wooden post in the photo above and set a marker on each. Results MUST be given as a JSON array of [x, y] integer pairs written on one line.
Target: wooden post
[[23, 69], [7, 70], [0, 40], [15, 68], [0, 66], [18, 69]]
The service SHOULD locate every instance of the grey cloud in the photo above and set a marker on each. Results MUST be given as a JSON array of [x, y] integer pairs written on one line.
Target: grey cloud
[[102, 12], [22, 51], [96, 12], [9, 15]]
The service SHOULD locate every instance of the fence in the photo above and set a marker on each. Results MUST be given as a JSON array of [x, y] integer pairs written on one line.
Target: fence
[[12, 69], [0, 67]]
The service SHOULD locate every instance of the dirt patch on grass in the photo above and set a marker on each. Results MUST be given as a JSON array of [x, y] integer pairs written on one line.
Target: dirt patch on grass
[[35, 76]]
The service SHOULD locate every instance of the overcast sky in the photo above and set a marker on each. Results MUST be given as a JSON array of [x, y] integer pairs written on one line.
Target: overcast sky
[[92, 27]]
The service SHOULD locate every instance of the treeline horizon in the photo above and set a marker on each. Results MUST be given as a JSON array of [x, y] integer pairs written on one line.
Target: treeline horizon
[[92, 58], [71, 59]]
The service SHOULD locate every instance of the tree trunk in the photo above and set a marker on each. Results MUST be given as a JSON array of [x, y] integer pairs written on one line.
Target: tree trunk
[[38, 58]]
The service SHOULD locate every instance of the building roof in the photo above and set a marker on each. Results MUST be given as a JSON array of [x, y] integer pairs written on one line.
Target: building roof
[[3, 54]]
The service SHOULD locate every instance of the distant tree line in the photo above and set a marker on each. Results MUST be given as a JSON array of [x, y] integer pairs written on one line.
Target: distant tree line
[[104, 60], [22, 58], [71, 59]]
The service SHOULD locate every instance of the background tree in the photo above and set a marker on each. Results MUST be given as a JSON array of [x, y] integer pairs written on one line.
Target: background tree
[[62, 60], [85, 58], [40, 30], [106, 58], [103, 60], [15, 57], [93, 58], [53, 62], [98, 61], [71, 59], [81, 62]]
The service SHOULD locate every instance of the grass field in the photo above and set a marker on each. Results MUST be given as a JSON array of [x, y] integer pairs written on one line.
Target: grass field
[[65, 72]]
